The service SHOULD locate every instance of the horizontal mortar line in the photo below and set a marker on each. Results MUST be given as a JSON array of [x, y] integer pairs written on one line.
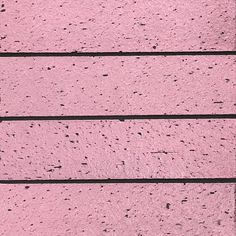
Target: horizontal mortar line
[[120, 181], [105, 54], [119, 117]]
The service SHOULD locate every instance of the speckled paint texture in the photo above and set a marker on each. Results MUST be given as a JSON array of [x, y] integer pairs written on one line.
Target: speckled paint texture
[[117, 25], [117, 85], [115, 149], [35, 155], [118, 209]]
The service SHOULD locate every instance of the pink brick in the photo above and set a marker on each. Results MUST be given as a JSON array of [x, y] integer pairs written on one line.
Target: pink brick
[[118, 209], [117, 85], [125, 25], [115, 149]]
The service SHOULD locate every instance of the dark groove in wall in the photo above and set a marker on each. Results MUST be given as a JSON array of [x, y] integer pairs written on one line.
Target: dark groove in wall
[[119, 181], [119, 117], [117, 54]]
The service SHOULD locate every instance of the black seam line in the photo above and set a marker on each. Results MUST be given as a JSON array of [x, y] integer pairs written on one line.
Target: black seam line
[[120, 181], [119, 117], [107, 54]]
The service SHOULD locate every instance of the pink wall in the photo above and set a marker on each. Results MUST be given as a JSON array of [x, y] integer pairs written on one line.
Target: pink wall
[[199, 150], [118, 209], [118, 85], [114, 149], [98, 25]]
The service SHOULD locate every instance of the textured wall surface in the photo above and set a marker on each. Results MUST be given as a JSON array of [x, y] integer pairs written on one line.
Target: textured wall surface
[[115, 149], [118, 209], [117, 25], [118, 85], [87, 138]]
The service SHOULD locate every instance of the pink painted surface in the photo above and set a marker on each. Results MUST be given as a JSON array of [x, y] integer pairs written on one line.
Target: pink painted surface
[[115, 149], [118, 209], [117, 85], [125, 25]]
